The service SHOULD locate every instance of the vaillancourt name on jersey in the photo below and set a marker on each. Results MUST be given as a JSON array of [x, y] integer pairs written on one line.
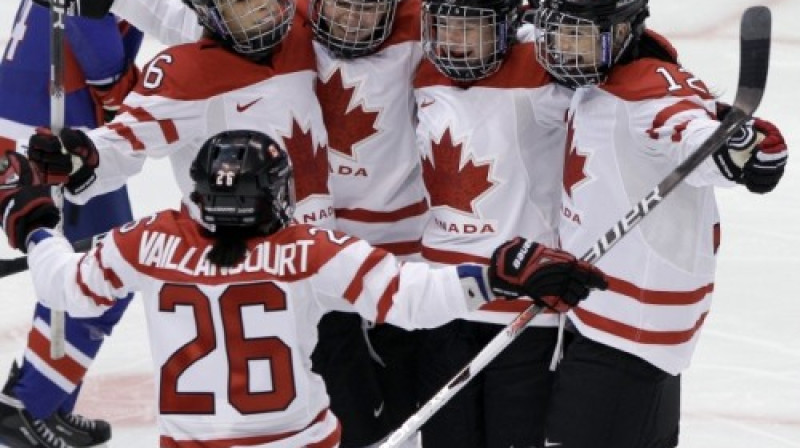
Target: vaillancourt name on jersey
[[160, 250]]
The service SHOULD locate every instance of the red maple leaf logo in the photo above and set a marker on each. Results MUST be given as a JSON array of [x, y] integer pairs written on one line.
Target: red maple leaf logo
[[310, 163], [574, 163], [449, 184], [346, 126]]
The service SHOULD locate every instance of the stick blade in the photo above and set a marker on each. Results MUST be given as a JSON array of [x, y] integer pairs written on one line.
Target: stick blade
[[756, 30]]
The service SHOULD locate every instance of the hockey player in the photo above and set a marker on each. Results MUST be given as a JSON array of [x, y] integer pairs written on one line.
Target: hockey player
[[491, 131], [375, 182], [233, 295], [636, 114], [37, 401], [247, 63], [367, 52]]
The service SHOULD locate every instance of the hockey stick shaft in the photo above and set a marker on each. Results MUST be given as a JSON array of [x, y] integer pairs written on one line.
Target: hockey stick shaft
[[754, 65], [57, 114]]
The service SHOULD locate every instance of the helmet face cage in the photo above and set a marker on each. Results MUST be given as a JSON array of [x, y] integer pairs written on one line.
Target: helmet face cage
[[244, 179], [352, 28], [251, 27], [579, 48], [467, 43]]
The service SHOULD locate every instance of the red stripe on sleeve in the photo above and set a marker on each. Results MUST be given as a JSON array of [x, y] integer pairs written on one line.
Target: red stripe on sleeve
[[668, 112], [167, 126], [127, 133], [357, 284], [387, 299], [99, 300], [108, 274]]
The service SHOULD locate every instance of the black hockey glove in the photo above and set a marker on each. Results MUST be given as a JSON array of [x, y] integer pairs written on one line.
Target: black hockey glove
[[755, 157], [72, 164], [25, 203], [552, 277]]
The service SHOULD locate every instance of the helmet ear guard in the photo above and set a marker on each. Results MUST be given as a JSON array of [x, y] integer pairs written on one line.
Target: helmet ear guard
[[467, 40]]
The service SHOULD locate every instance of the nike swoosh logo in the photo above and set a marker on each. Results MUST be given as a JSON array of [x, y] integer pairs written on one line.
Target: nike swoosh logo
[[242, 108], [426, 103], [378, 411]]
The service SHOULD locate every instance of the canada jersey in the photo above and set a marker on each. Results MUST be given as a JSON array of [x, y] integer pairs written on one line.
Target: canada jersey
[[624, 137], [491, 162], [368, 107], [191, 92], [232, 346]]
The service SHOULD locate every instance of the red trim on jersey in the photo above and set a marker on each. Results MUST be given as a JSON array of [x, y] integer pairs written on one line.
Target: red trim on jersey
[[108, 274], [668, 112], [401, 248], [70, 369], [387, 299], [637, 334], [97, 299], [519, 70], [374, 216], [717, 237], [357, 284], [652, 297], [203, 69], [126, 133], [640, 80], [330, 441], [451, 257]]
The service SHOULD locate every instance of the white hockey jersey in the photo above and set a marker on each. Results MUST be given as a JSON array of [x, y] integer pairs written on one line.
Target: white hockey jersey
[[368, 106], [624, 138], [492, 161], [190, 92], [232, 346]]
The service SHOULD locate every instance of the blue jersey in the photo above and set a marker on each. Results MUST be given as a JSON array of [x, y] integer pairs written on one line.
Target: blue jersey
[[97, 51]]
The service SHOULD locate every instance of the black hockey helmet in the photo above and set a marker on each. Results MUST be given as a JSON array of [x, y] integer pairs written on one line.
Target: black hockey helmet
[[243, 179], [583, 39], [251, 28], [468, 40], [352, 28]]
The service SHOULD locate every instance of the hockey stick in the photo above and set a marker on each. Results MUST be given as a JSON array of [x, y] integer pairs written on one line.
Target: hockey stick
[[754, 63], [57, 114]]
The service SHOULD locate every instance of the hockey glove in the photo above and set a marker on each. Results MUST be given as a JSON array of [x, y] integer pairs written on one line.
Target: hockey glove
[[109, 97], [755, 157], [72, 164], [551, 277], [25, 203]]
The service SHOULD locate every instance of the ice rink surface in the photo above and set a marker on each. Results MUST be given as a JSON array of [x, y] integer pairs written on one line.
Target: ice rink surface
[[743, 388]]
